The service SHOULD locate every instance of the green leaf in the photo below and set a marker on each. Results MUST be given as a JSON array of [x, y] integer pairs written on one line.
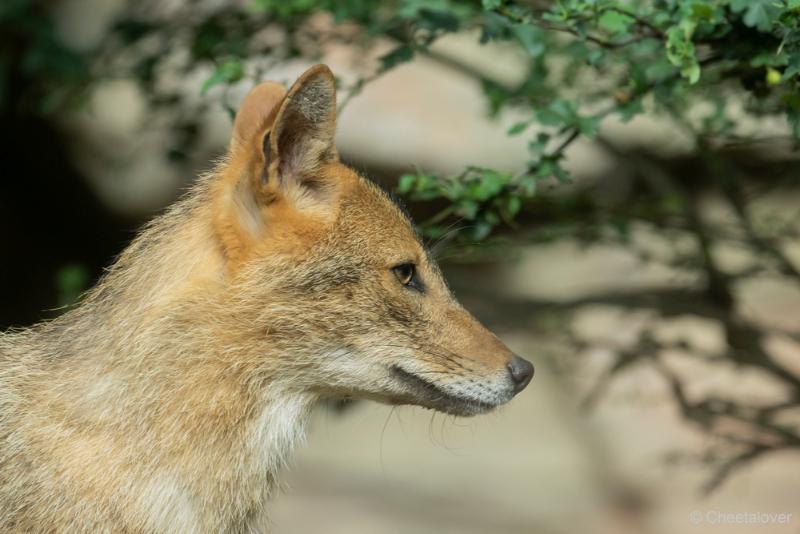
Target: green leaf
[[548, 117], [659, 70], [527, 185], [760, 14], [494, 26], [530, 37], [538, 146], [551, 166], [489, 185], [231, 71], [481, 230], [406, 183], [518, 128], [589, 126], [630, 109], [562, 174], [401, 54], [434, 232], [793, 68], [467, 208], [558, 113], [435, 19], [546, 167], [71, 281], [595, 57], [737, 6], [490, 5], [513, 205], [702, 11], [691, 72], [614, 21], [681, 51]]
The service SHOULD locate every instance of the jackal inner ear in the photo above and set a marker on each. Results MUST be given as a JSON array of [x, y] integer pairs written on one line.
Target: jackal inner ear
[[302, 137]]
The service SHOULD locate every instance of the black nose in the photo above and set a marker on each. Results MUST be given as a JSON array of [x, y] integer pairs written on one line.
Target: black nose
[[521, 373]]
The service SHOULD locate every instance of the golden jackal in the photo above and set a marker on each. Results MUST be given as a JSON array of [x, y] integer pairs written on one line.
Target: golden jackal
[[169, 399]]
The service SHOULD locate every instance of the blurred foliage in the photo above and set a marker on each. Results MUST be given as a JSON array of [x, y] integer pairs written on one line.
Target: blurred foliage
[[587, 60], [591, 59], [38, 72], [71, 280], [706, 65]]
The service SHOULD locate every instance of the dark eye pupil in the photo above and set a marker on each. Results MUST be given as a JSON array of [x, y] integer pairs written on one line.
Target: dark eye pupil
[[405, 273]]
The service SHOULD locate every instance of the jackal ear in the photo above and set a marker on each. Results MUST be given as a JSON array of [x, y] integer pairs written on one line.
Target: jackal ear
[[301, 139], [256, 114]]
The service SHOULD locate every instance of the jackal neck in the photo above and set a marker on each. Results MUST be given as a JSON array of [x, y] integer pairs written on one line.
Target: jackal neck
[[147, 394]]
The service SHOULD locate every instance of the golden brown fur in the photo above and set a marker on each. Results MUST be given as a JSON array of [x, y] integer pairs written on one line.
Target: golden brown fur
[[170, 398]]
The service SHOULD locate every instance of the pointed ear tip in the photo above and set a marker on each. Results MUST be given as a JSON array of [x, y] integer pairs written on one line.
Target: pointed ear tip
[[319, 70], [266, 91]]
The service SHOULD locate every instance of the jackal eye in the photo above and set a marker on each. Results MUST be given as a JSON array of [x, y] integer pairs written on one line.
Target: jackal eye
[[406, 274]]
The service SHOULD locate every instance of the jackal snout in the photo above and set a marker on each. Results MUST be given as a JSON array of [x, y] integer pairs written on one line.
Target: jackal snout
[[461, 367]]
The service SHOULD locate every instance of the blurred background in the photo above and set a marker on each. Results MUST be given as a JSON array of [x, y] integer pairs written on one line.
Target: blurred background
[[611, 186]]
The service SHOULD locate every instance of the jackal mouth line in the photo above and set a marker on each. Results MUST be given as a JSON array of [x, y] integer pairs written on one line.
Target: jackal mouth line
[[439, 399]]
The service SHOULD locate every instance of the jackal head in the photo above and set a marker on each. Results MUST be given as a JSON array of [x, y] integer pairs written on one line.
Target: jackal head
[[331, 275]]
